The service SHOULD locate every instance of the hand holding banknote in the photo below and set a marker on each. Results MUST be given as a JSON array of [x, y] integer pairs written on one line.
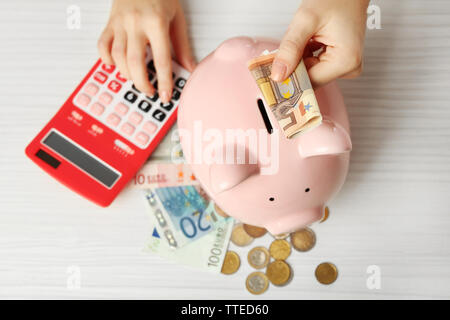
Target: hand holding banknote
[[336, 27]]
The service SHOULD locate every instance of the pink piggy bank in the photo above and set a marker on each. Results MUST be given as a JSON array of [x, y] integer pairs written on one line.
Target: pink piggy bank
[[237, 151]]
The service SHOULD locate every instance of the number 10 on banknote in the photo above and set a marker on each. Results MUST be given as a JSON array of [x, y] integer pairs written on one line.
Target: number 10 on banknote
[[179, 213]]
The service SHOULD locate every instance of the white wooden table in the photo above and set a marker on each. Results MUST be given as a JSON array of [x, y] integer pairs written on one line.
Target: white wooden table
[[393, 212]]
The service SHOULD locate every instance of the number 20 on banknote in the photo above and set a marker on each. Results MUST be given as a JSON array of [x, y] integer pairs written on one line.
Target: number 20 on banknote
[[179, 213]]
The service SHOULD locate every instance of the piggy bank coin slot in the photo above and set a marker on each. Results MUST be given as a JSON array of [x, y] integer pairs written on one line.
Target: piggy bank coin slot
[[265, 117]]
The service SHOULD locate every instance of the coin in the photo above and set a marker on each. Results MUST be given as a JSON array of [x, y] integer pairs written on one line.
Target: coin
[[257, 282], [326, 273], [303, 239], [281, 235], [220, 211], [254, 231], [325, 215], [231, 263], [280, 249], [258, 257], [239, 237], [278, 272]]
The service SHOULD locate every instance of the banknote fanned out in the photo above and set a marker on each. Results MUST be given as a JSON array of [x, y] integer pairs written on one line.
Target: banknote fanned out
[[186, 227], [180, 213], [164, 174], [292, 101]]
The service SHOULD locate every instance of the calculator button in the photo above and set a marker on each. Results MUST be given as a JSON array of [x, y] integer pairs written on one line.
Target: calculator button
[[122, 145], [114, 86], [97, 109], [120, 78], [83, 100], [105, 98], [121, 109], [108, 68], [159, 115], [130, 96], [149, 127], [151, 66], [180, 83], [76, 115], [175, 94], [154, 97], [144, 105], [142, 138], [135, 118], [91, 89], [127, 129], [100, 77], [113, 120], [166, 106]]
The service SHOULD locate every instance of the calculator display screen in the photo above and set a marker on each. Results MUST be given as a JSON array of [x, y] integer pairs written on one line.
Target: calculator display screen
[[81, 158]]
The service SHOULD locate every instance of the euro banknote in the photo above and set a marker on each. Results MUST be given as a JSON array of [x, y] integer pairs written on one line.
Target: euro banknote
[[206, 253], [157, 174], [181, 215], [292, 101]]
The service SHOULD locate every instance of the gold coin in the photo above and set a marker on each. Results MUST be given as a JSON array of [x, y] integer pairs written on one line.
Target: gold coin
[[325, 215], [239, 237], [220, 211], [258, 257], [281, 236], [303, 239], [254, 231], [278, 272], [231, 263], [326, 273], [280, 249], [257, 282]]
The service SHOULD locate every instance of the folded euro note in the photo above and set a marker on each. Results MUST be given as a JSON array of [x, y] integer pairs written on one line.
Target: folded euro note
[[292, 101]]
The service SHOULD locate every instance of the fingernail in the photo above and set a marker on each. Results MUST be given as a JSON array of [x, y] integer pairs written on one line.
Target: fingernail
[[278, 71], [165, 96]]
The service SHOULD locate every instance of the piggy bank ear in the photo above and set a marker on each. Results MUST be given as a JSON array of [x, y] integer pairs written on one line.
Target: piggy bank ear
[[327, 139]]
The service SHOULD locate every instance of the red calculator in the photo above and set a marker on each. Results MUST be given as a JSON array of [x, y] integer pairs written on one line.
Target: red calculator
[[105, 132]]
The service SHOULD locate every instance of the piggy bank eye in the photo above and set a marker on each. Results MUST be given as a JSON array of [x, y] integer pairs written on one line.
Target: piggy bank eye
[[271, 198], [307, 190]]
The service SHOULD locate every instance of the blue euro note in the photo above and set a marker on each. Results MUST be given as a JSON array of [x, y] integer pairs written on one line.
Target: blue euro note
[[186, 206]]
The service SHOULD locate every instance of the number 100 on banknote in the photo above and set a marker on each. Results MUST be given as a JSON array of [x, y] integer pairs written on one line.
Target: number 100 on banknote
[[179, 213]]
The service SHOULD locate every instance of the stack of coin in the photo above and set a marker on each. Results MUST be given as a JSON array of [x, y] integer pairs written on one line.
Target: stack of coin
[[278, 271]]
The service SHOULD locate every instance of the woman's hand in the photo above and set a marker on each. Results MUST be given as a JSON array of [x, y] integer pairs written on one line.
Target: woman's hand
[[135, 23], [337, 26]]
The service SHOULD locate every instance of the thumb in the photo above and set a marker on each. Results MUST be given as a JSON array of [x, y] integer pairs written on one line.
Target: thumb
[[301, 29]]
